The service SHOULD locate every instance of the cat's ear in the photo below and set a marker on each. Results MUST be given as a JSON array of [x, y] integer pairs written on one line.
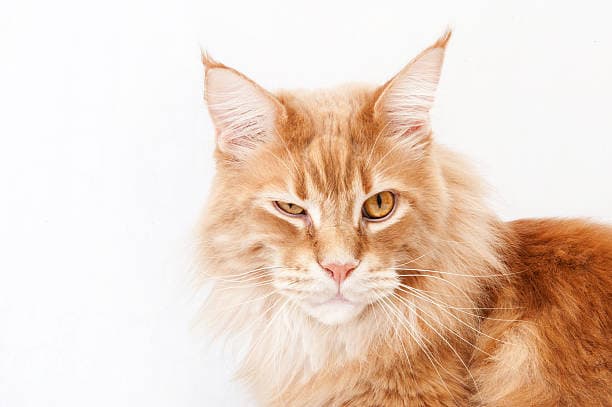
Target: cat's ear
[[404, 102], [244, 114]]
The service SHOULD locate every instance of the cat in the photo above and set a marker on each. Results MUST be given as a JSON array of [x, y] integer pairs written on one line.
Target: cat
[[361, 263]]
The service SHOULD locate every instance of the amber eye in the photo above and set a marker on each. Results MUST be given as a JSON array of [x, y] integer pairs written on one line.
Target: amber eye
[[290, 208], [379, 205]]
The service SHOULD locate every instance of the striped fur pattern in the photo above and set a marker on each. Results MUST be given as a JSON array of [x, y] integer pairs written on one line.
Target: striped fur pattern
[[447, 304]]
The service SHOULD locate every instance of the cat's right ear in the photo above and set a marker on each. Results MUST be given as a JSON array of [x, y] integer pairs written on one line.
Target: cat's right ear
[[244, 114]]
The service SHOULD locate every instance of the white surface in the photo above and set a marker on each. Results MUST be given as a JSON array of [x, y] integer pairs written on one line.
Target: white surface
[[105, 159]]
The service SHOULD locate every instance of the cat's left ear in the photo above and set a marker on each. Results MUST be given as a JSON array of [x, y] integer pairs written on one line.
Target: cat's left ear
[[404, 102], [244, 114]]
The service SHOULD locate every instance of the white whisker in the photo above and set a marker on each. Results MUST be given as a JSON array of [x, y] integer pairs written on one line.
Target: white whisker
[[445, 341], [422, 346], [448, 273], [459, 309], [468, 325], [441, 279]]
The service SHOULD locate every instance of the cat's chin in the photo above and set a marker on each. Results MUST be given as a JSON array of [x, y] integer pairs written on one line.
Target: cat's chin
[[334, 312]]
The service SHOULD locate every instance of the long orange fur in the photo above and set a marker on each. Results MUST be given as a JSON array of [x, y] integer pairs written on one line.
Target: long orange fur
[[484, 312]]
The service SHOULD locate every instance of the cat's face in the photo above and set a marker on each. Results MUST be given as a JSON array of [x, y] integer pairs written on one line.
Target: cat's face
[[320, 197], [339, 225]]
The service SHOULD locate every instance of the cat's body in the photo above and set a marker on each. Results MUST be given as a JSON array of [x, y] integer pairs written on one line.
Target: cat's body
[[432, 299]]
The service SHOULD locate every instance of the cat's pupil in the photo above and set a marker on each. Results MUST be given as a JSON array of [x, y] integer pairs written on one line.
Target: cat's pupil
[[290, 206], [379, 201]]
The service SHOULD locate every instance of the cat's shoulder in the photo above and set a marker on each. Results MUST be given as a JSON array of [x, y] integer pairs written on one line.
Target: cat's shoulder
[[557, 262]]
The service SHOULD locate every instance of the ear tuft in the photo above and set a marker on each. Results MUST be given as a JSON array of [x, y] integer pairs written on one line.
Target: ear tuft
[[209, 62], [405, 100], [443, 40], [244, 114]]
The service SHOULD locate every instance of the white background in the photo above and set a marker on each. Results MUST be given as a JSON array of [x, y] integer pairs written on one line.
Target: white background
[[105, 159]]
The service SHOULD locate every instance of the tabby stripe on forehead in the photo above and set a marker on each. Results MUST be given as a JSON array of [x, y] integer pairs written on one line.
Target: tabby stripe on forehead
[[300, 185], [365, 178]]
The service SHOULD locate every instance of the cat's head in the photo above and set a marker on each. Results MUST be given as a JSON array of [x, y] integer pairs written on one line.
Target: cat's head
[[320, 197]]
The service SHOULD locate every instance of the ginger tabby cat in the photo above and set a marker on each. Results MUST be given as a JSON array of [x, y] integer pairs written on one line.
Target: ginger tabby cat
[[359, 260]]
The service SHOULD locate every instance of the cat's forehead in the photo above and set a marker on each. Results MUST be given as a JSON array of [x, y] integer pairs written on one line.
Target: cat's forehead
[[335, 111], [326, 133]]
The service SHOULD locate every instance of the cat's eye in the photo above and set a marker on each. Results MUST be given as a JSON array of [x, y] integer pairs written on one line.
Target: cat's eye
[[379, 205], [289, 208]]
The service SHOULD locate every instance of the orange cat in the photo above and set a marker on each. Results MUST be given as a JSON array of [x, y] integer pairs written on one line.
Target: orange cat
[[361, 263]]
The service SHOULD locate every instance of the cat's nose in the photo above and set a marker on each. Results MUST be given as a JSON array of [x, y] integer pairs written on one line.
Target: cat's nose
[[339, 271]]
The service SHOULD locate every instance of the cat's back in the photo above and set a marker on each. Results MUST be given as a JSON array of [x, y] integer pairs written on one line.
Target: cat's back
[[561, 260], [557, 304], [572, 242]]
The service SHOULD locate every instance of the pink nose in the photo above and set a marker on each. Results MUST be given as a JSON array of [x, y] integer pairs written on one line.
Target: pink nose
[[339, 272]]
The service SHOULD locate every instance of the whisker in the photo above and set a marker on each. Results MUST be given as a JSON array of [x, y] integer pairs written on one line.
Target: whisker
[[236, 287], [445, 295], [252, 275], [416, 337], [445, 341], [415, 259], [258, 269], [469, 326], [254, 299], [437, 294], [437, 302], [438, 278], [449, 273], [255, 276], [452, 331], [426, 352]]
